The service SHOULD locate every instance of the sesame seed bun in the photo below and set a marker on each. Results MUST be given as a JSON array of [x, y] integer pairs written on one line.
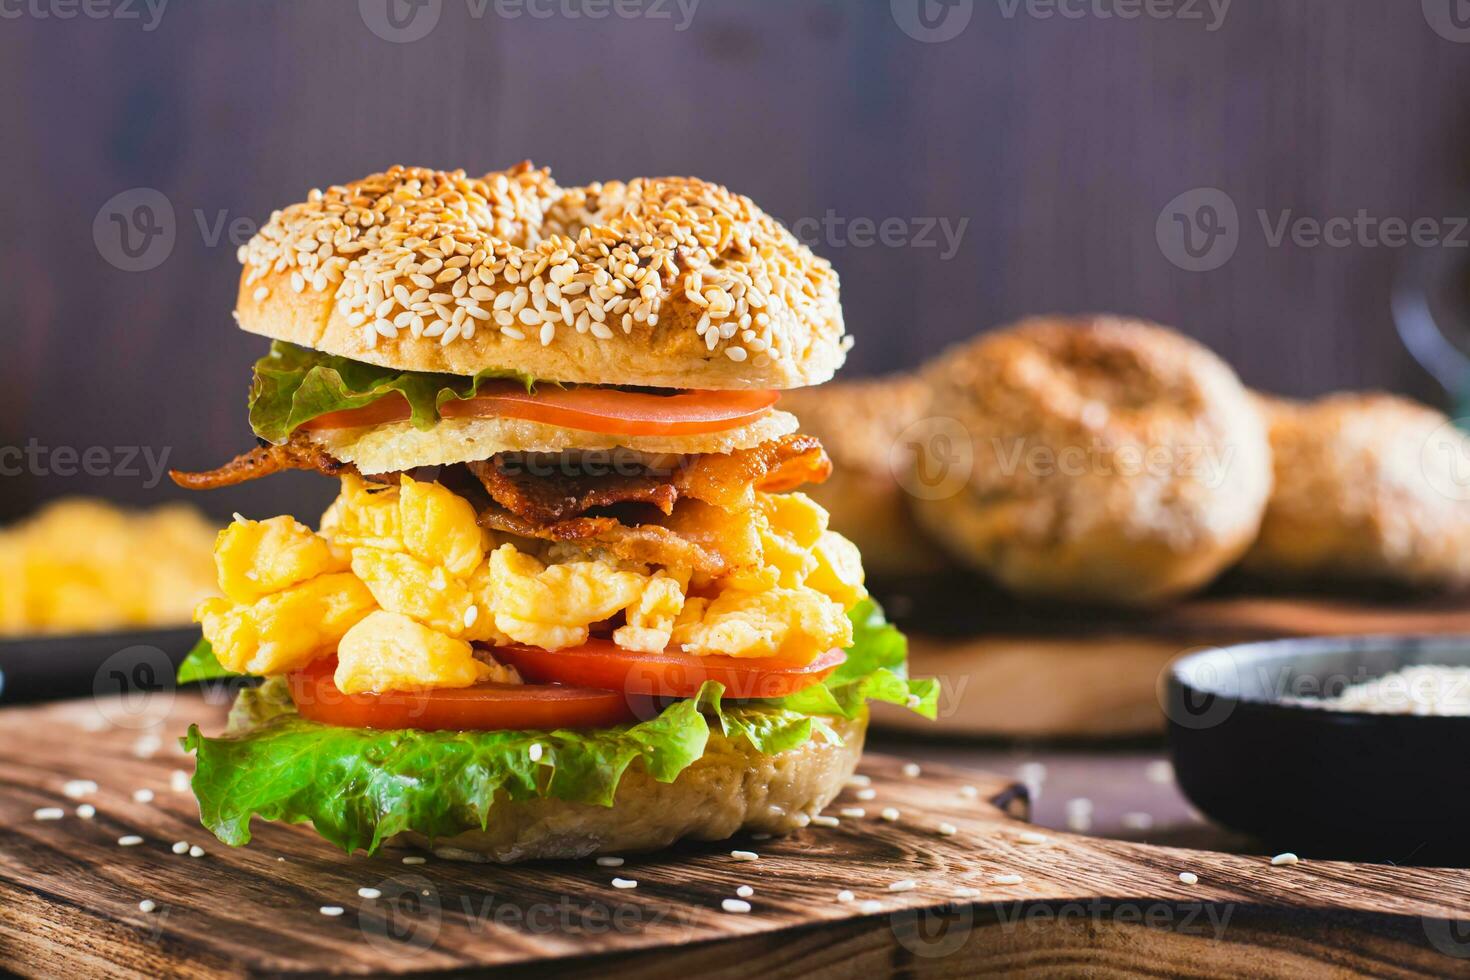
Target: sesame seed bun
[[1366, 490], [1110, 460], [732, 787], [667, 282]]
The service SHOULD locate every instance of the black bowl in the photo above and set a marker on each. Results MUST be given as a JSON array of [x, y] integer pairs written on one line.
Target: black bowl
[[1314, 781], [83, 665]]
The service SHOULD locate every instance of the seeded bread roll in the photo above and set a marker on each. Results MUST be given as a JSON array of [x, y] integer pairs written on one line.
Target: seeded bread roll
[[863, 426], [667, 282], [732, 787], [1109, 460], [1366, 489]]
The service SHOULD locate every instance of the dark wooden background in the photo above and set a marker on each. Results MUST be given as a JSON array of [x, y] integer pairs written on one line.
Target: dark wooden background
[[1058, 140]]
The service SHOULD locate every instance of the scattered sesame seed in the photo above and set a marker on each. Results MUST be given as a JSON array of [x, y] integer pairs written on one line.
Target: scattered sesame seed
[[735, 905], [77, 788], [965, 891], [1031, 837], [969, 792], [1160, 771], [1189, 877], [866, 794], [1286, 858], [609, 862], [825, 821], [129, 840], [414, 859], [470, 615], [745, 891], [332, 911], [1006, 879], [147, 905], [870, 907], [845, 896], [1138, 821], [947, 830], [906, 885], [911, 769], [535, 752], [86, 811], [369, 893], [890, 814], [858, 779], [142, 796], [1031, 772], [1079, 814], [624, 883], [181, 847], [745, 855], [801, 819], [178, 781], [855, 812], [49, 813], [147, 746]]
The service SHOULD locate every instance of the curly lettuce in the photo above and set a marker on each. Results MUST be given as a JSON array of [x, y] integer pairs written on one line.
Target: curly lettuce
[[359, 787], [294, 385]]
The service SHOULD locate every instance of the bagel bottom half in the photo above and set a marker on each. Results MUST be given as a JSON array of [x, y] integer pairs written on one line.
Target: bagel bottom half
[[731, 788]]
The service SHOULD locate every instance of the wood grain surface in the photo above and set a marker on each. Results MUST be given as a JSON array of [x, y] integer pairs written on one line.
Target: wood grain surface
[[71, 893], [1037, 670]]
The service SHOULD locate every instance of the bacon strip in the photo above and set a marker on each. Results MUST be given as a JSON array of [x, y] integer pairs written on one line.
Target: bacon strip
[[649, 544], [298, 453]]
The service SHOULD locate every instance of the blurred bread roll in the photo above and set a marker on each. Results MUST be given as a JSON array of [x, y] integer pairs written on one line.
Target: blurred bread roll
[[1369, 487], [1108, 460], [861, 424]]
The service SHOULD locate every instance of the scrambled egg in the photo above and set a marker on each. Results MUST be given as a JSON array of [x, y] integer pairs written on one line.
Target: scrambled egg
[[85, 565], [400, 582]]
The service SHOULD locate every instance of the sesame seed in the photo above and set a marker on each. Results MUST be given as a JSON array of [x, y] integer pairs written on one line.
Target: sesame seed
[[1031, 772], [745, 855], [1006, 879], [142, 796], [870, 907], [965, 891], [196, 851], [181, 847], [906, 885], [858, 779], [86, 811], [624, 883], [1189, 877], [1160, 771], [1138, 821], [745, 891], [129, 840], [369, 893], [889, 813], [866, 794], [147, 905], [331, 911], [1284, 859], [1031, 837], [535, 752], [146, 746], [911, 770], [947, 830], [609, 862], [969, 792], [261, 292], [414, 859], [49, 813], [178, 781], [856, 812], [825, 821], [845, 896], [735, 905], [77, 788]]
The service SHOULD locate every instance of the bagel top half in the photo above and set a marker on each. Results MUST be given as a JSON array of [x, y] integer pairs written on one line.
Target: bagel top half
[[665, 282]]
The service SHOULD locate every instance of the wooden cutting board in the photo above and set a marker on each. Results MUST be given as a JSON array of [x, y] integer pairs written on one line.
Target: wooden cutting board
[[1030, 670], [70, 893]]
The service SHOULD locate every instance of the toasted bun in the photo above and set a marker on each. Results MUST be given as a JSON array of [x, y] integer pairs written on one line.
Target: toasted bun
[[862, 425], [667, 282], [1111, 460], [1366, 489], [731, 788]]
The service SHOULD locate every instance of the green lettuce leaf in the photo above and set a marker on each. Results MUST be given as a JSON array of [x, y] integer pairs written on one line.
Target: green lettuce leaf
[[359, 787], [294, 385], [200, 665]]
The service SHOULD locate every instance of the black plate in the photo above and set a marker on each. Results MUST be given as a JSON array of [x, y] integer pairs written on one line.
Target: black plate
[[83, 665], [1322, 783]]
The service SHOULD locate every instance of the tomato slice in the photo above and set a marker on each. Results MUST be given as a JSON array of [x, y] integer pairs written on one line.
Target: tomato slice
[[588, 409], [601, 663], [485, 707]]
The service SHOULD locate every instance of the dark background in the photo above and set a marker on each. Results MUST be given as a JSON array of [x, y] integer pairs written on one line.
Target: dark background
[[1059, 141]]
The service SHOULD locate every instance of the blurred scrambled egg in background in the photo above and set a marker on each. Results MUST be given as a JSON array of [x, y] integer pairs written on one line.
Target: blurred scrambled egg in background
[[81, 565]]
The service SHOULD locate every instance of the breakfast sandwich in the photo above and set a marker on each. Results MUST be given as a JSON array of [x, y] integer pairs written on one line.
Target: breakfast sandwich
[[570, 599]]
